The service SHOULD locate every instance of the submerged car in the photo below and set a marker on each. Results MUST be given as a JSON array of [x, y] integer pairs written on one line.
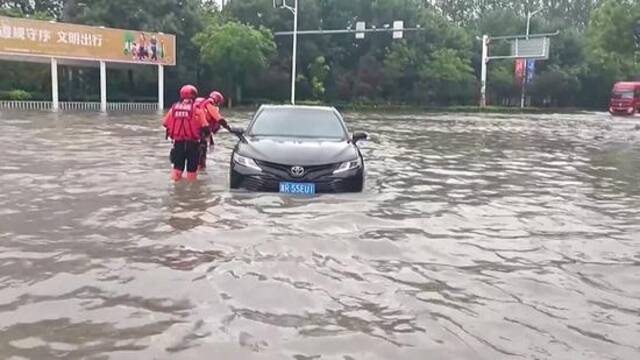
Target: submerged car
[[299, 150]]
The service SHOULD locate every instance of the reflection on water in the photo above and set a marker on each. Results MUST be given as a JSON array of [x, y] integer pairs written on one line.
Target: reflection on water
[[478, 237]]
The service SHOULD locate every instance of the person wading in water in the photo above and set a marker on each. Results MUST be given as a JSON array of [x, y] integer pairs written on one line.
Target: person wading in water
[[186, 125]]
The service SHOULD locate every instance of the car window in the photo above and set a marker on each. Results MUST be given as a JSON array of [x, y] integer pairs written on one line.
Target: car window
[[623, 94], [306, 123]]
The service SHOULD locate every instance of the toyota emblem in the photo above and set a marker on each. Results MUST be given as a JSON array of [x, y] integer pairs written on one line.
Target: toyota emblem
[[297, 171]]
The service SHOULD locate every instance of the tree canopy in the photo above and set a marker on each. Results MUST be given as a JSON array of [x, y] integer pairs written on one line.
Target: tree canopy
[[235, 52], [234, 49]]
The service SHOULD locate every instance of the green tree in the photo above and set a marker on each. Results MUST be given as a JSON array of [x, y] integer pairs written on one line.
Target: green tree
[[236, 52], [610, 38], [39, 9], [501, 86], [401, 64], [319, 71], [555, 87], [611, 52], [448, 78]]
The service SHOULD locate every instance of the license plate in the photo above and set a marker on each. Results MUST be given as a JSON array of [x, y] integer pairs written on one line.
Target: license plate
[[298, 188]]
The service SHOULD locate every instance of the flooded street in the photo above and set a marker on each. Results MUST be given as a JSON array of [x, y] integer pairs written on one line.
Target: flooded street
[[477, 237]]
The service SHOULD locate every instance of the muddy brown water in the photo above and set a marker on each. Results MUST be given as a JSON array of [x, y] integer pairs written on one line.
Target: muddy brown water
[[478, 237]]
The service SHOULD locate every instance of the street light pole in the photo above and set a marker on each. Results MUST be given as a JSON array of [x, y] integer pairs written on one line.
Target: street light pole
[[294, 61], [279, 4], [483, 74], [526, 67]]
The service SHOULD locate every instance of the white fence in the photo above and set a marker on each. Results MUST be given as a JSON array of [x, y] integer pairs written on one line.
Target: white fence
[[132, 106], [26, 105], [75, 106], [79, 106]]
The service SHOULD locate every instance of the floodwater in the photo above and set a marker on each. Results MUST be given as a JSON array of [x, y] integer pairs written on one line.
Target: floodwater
[[478, 237]]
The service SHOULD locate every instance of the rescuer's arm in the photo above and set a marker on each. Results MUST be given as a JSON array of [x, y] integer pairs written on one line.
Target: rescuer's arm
[[214, 112], [201, 118], [166, 120]]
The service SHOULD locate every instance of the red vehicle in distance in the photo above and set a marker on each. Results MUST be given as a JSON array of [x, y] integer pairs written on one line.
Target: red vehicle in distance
[[625, 98]]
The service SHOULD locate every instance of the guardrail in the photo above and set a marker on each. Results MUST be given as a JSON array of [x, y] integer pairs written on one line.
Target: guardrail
[[79, 106], [76, 106], [25, 105], [132, 106]]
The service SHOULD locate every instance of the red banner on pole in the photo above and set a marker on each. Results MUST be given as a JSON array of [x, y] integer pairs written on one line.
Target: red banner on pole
[[520, 71]]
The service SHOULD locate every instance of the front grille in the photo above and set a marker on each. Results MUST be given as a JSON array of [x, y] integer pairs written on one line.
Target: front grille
[[283, 172]]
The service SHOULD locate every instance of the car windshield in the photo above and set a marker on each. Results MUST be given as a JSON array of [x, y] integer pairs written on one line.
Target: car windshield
[[298, 123], [623, 94]]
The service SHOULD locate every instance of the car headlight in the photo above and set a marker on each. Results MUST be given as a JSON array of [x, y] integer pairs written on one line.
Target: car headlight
[[246, 162], [349, 165]]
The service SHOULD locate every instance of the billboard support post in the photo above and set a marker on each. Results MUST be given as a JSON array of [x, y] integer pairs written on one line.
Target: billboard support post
[[55, 104], [160, 88], [103, 86], [483, 75]]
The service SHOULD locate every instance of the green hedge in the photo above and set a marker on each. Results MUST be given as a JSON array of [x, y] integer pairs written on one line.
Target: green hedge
[[19, 95]]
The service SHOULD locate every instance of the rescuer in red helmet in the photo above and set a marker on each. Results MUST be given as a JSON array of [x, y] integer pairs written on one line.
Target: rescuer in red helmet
[[211, 109], [186, 125]]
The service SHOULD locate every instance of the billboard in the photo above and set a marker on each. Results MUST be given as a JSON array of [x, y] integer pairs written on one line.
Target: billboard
[[28, 37]]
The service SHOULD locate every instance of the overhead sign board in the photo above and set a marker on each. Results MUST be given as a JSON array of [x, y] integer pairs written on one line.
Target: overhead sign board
[[28, 37], [536, 48]]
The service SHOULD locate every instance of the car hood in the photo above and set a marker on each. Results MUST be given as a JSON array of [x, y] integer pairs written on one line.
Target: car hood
[[303, 152]]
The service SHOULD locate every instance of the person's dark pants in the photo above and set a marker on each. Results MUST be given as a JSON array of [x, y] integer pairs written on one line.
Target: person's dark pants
[[186, 155], [204, 146]]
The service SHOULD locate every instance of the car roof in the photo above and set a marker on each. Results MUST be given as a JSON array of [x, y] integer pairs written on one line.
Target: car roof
[[298, 107], [626, 85]]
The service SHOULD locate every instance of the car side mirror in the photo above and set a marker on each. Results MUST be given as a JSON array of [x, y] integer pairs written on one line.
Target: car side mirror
[[359, 136], [239, 132]]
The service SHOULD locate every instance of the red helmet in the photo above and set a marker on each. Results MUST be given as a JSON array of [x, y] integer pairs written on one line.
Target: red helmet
[[217, 97], [188, 92]]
